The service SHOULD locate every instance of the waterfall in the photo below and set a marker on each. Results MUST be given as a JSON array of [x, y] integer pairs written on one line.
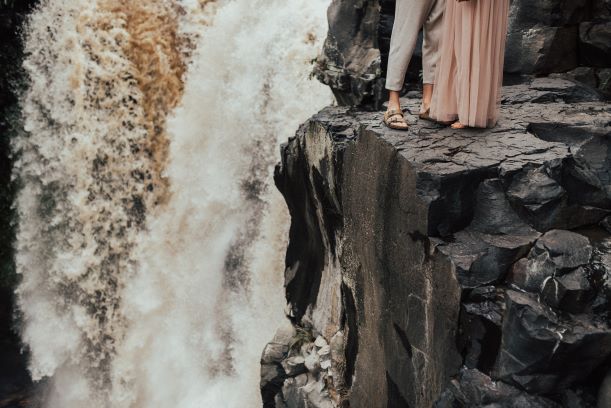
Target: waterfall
[[150, 239]]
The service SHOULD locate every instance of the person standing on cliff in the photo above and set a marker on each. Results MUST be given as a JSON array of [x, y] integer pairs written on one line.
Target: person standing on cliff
[[470, 71], [410, 17]]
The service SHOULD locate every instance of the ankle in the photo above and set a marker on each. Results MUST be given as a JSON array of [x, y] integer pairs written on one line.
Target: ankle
[[394, 105]]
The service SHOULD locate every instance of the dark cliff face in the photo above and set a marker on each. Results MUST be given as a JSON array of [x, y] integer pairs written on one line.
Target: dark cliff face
[[545, 36], [449, 268], [14, 379]]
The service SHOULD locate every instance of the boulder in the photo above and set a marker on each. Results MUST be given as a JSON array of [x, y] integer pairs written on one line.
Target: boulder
[[350, 61], [542, 352], [525, 14], [571, 292], [541, 49], [555, 253]]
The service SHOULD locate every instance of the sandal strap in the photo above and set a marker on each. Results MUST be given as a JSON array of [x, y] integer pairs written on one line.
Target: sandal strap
[[393, 113]]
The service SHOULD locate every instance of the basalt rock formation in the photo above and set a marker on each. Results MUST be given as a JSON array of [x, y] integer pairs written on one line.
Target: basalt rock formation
[[545, 36], [445, 268]]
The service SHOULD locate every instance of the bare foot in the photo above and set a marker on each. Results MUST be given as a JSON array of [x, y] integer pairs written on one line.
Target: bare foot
[[425, 112], [458, 125]]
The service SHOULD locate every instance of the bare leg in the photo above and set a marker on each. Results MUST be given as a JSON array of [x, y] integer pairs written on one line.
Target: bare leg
[[393, 101], [427, 95]]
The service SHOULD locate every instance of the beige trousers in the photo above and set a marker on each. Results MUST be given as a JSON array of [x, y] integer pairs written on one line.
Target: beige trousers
[[410, 17]]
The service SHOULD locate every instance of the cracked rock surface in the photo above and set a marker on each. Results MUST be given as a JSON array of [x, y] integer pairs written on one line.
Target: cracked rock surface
[[448, 268]]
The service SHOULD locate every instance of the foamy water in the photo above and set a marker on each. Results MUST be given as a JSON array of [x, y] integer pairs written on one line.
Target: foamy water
[[151, 240]]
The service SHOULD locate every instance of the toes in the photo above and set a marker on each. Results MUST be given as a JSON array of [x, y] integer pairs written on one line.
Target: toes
[[457, 125]]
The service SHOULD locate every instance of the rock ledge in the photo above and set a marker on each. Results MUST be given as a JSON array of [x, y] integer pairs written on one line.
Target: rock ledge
[[448, 268]]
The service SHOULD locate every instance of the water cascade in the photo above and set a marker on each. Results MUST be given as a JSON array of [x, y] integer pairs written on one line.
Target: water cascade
[[150, 239]]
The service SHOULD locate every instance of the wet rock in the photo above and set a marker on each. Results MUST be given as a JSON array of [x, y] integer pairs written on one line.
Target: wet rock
[[606, 223]]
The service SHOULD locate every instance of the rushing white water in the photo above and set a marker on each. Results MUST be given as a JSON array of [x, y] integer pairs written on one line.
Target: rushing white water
[[150, 239]]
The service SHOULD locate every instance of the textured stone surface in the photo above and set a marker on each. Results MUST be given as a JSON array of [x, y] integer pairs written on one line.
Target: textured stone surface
[[407, 251], [350, 63]]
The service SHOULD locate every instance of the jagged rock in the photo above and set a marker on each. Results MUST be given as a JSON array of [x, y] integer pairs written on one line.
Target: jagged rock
[[402, 243], [542, 352], [525, 13], [496, 238], [595, 43], [565, 249], [479, 337], [541, 49], [555, 253], [320, 342], [312, 362], [294, 366], [350, 62], [291, 395], [571, 292]]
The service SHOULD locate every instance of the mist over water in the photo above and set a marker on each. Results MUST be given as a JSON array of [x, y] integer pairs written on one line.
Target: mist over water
[[151, 239]]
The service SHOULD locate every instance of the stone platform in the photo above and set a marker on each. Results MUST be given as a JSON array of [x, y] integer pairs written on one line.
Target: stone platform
[[448, 268]]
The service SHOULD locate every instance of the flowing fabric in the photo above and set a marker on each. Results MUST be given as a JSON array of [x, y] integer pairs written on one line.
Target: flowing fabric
[[470, 72]]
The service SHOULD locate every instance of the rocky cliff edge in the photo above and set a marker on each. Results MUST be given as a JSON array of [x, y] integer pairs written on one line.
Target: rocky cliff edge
[[448, 268]]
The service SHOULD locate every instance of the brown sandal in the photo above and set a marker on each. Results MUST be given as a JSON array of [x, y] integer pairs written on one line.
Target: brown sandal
[[394, 119]]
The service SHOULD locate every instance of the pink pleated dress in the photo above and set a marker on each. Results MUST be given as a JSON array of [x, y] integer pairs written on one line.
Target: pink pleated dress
[[470, 71]]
